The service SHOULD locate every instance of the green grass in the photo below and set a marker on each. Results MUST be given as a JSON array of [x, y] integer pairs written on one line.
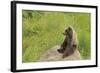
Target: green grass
[[43, 30]]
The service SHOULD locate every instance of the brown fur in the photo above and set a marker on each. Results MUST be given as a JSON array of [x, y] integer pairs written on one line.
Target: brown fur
[[70, 42]]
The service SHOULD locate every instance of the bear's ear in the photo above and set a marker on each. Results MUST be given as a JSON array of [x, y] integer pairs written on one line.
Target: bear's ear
[[69, 28]]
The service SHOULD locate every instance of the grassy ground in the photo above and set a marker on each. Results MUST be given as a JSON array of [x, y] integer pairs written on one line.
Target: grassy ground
[[42, 30]]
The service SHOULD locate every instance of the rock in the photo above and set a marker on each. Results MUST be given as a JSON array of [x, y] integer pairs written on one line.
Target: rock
[[53, 55]]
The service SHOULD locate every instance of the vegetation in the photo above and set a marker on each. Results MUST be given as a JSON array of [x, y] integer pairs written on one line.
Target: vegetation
[[43, 30]]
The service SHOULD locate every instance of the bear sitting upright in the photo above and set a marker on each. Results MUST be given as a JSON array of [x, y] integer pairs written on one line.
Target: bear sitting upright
[[70, 42]]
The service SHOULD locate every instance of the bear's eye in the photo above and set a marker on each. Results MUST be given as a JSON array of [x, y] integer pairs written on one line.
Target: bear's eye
[[66, 30]]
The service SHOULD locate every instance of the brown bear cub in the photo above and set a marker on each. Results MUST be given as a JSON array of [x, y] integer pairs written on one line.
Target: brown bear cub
[[70, 42]]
